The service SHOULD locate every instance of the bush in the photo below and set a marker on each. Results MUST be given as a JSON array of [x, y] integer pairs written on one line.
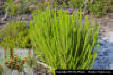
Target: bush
[[111, 6], [60, 2], [15, 7], [15, 35], [1, 69], [76, 3], [11, 7], [62, 41], [97, 8]]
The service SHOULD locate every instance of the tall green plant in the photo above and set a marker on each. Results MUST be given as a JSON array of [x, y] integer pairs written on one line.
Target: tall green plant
[[63, 41]]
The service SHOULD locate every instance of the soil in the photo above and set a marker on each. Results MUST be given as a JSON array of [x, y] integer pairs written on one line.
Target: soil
[[104, 59]]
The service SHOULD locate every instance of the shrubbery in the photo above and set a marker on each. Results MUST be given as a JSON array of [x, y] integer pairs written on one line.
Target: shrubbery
[[76, 3], [25, 6], [16, 7], [97, 8], [15, 35], [64, 42]]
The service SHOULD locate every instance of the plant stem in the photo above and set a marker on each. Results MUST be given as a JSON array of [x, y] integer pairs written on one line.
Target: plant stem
[[19, 73]]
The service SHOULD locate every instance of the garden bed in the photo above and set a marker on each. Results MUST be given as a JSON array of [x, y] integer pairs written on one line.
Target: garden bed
[[63, 35]]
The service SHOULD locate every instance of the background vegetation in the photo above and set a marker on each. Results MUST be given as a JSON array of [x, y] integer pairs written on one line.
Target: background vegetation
[[95, 7], [15, 35]]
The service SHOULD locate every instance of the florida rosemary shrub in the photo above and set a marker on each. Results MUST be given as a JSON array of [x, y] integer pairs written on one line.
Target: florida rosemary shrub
[[63, 41], [16, 7], [60, 2], [97, 8], [11, 8], [15, 35], [76, 3], [110, 6]]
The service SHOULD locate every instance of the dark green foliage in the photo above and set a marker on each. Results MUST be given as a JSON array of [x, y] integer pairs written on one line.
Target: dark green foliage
[[15, 7], [76, 3], [97, 8], [111, 6]]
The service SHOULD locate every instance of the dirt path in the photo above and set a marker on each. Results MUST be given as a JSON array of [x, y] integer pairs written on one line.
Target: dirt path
[[104, 60]]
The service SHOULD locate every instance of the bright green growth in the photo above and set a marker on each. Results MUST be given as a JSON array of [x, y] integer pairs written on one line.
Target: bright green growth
[[63, 41], [15, 35]]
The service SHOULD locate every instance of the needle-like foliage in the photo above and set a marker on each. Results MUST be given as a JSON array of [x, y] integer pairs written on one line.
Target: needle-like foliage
[[63, 41], [15, 35]]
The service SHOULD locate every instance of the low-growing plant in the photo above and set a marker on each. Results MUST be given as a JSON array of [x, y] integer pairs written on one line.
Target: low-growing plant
[[15, 63], [110, 9], [75, 4], [15, 35], [11, 7], [28, 5], [31, 59], [1, 69], [17, 7], [63, 41], [60, 2], [97, 8]]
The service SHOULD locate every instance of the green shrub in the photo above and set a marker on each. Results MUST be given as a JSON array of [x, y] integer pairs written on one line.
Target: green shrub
[[1, 69], [60, 2], [111, 6], [15, 35], [28, 5], [76, 3], [97, 8], [11, 8], [15, 7], [63, 41]]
